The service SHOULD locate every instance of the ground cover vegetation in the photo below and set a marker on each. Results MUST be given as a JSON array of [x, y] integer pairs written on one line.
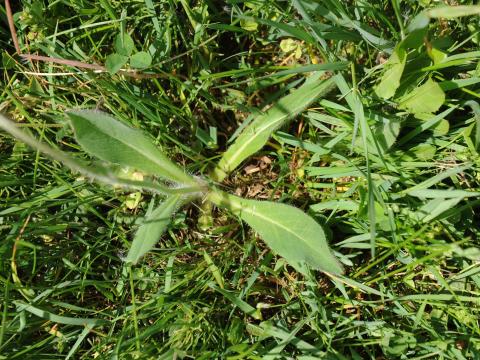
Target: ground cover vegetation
[[240, 180]]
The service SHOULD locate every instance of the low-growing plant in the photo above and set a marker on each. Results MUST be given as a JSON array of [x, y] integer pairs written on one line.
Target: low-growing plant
[[287, 230], [124, 52]]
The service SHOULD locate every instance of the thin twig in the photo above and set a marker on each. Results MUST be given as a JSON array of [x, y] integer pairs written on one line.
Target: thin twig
[[79, 64], [73, 63], [11, 25], [96, 67]]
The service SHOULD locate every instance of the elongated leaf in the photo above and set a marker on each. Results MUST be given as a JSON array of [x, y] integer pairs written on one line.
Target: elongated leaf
[[390, 80], [93, 173], [430, 123], [436, 207], [450, 12], [235, 300], [476, 111], [354, 100], [153, 227], [437, 178], [58, 318], [287, 230], [257, 133], [419, 22], [267, 329], [295, 31], [108, 139], [426, 98], [443, 194]]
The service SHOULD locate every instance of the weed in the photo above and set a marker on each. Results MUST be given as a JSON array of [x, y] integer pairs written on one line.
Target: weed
[[368, 116]]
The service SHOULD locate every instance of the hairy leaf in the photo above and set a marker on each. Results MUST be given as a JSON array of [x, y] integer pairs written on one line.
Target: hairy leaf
[[152, 228], [97, 173], [257, 133], [287, 230], [451, 12], [108, 139]]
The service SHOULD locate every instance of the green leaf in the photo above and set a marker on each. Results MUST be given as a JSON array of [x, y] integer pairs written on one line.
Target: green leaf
[[441, 128], [384, 135], [217, 275], [451, 12], [430, 122], [390, 80], [97, 173], [436, 207], [295, 31], [235, 300], [443, 194], [436, 55], [419, 22], [8, 61], [152, 228], [288, 231], [426, 98], [437, 178], [248, 24], [115, 62], [415, 39], [424, 151], [257, 133], [141, 60], [124, 44], [288, 45], [108, 139], [58, 318]]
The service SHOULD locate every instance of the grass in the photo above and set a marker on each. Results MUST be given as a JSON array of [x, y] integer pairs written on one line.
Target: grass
[[395, 188]]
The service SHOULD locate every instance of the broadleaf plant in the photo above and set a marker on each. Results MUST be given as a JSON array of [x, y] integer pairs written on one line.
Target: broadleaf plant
[[125, 52], [288, 231]]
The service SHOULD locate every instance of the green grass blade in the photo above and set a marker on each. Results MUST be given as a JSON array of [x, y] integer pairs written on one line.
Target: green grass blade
[[423, 126], [242, 305], [108, 139], [57, 318], [267, 329], [353, 98], [256, 134], [153, 227], [436, 207], [79, 341], [436, 179], [287, 230], [443, 194]]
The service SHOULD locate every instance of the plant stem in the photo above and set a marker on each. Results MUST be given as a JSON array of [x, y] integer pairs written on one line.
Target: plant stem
[[396, 9]]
